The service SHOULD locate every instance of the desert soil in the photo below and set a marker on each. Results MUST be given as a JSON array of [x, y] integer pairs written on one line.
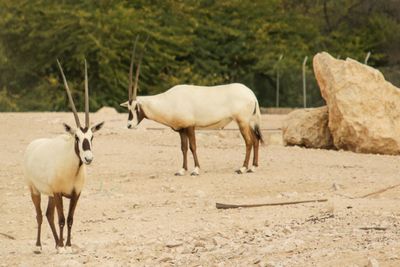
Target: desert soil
[[133, 211]]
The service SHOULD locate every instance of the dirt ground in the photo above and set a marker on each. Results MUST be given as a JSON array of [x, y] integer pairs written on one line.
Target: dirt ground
[[134, 212]]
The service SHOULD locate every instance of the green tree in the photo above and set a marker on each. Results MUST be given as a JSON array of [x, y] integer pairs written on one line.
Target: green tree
[[204, 42]]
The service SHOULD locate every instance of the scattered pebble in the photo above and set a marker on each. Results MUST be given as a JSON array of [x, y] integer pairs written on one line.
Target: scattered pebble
[[173, 244], [372, 263]]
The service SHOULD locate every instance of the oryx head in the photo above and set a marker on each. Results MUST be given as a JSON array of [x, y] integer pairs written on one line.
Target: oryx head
[[83, 136], [135, 113]]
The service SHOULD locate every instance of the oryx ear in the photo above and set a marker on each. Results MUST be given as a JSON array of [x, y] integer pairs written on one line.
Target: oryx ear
[[125, 104], [69, 129], [97, 127]]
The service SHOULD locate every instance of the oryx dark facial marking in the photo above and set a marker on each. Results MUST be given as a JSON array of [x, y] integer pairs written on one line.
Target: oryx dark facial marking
[[86, 144], [76, 146], [136, 114], [84, 137], [130, 116]]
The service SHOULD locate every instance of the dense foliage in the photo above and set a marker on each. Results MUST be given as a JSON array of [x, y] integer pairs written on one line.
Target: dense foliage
[[204, 42]]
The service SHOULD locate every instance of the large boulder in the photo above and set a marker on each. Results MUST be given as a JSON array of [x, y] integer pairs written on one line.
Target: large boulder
[[364, 113], [308, 128]]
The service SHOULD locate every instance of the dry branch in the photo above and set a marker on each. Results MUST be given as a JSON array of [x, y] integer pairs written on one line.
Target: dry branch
[[379, 228], [370, 194], [8, 236], [206, 130], [380, 191], [346, 196], [233, 206]]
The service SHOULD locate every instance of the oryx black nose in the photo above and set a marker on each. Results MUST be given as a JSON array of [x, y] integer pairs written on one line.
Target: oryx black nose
[[88, 160], [129, 126]]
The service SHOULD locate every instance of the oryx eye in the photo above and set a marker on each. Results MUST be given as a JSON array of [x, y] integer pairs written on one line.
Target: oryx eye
[[76, 138]]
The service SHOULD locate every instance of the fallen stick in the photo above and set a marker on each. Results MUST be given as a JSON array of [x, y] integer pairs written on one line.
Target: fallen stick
[[8, 236], [346, 196], [380, 191], [379, 228], [232, 206], [205, 130]]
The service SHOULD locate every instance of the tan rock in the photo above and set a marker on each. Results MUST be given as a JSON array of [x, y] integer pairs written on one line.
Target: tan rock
[[363, 107], [107, 111], [372, 263], [308, 128]]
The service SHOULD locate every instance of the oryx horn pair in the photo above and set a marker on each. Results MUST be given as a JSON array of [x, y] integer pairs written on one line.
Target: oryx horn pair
[[71, 101], [132, 89]]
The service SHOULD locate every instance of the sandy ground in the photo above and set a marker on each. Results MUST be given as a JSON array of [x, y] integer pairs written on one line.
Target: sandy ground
[[134, 211]]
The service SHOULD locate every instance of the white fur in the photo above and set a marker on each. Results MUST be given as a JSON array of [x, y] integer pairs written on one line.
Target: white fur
[[242, 170], [181, 172], [184, 106], [51, 166], [195, 172], [252, 169]]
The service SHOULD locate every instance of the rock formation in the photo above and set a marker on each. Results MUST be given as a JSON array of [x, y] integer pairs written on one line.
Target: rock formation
[[308, 128], [364, 109]]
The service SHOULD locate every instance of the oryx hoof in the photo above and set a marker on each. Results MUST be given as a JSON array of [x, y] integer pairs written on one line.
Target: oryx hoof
[[61, 250], [195, 172], [181, 172], [68, 250], [241, 170], [252, 169], [37, 250]]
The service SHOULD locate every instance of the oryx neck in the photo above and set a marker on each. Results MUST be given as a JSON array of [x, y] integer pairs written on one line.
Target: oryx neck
[[75, 148], [147, 104]]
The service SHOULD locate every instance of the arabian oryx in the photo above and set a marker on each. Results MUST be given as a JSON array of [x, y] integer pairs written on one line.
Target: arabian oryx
[[56, 167], [185, 108]]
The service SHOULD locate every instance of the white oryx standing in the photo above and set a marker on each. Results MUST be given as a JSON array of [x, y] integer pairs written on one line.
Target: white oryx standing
[[56, 167], [187, 107]]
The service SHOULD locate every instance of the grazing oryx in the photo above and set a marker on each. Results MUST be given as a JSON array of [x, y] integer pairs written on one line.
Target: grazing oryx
[[187, 107], [56, 167]]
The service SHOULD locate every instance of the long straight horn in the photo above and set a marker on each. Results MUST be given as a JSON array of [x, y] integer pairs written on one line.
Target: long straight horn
[[86, 97], [131, 69], [71, 101], [138, 70]]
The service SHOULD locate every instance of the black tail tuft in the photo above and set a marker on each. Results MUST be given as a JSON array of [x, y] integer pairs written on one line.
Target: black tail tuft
[[258, 133]]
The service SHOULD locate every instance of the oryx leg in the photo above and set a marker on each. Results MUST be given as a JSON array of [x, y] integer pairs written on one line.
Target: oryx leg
[[245, 130], [256, 145], [70, 218], [61, 219], [184, 148], [192, 144], [50, 218], [35, 195]]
